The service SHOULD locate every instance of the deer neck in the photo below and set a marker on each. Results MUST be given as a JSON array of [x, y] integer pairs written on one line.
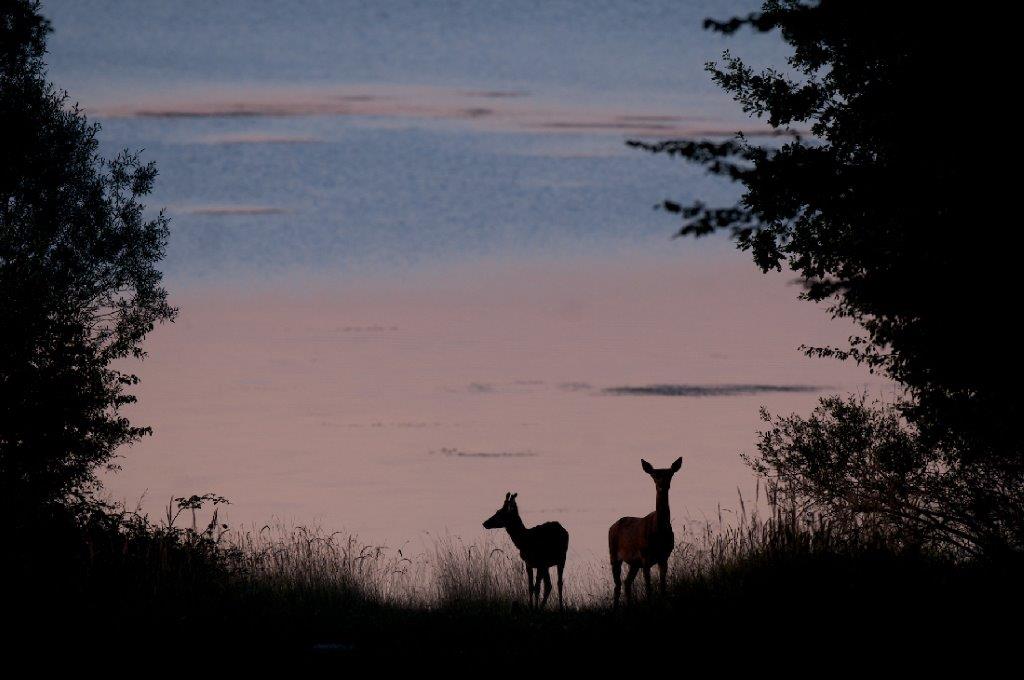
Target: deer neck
[[516, 531], [662, 515]]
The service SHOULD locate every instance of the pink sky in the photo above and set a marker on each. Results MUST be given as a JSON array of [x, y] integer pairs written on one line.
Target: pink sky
[[355, 403]]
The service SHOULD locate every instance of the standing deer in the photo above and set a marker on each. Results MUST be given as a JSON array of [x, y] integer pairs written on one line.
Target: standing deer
[[541, 547], [642, 542]]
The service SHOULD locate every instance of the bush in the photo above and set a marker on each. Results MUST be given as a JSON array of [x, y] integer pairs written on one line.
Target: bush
[[861, 465]]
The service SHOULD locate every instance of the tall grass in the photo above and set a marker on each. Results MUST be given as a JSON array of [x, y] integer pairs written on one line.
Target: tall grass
[[310, 563], [310, 566], [772, 529], [302, 585]]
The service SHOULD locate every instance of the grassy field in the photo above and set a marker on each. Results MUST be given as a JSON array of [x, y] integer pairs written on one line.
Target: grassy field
[[787, 580]]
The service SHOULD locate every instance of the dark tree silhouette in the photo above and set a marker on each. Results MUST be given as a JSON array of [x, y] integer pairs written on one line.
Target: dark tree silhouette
[[78, 285], [889, 208]]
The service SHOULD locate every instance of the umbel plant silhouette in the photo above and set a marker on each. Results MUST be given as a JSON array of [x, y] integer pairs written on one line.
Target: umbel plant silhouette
[[541, 547]]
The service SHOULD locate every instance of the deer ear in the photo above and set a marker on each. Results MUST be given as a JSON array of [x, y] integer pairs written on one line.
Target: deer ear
[[507, 494], [646, 466], [514, 496], [678, 464]]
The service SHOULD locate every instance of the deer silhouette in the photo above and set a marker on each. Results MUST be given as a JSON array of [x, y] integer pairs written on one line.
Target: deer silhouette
[[541, 547], [642, 542]]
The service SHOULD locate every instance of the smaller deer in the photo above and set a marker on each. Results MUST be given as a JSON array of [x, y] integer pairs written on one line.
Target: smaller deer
[[642, 542], [541, 547]]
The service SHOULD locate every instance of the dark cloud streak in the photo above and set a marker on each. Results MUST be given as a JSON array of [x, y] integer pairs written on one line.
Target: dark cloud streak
[[724, 390]]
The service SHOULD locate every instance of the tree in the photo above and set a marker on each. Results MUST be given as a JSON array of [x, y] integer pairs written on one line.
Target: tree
[[893, 214], [859, 462], [79, 288]]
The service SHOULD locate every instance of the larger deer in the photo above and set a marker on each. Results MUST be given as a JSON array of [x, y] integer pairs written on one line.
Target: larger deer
[[642, 542], [541, 547]]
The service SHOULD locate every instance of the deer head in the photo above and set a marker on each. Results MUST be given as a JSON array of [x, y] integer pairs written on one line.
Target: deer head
[[662, 476], [505, 513]]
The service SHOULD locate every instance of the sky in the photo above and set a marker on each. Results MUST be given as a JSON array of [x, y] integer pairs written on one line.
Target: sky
[[418, 267]]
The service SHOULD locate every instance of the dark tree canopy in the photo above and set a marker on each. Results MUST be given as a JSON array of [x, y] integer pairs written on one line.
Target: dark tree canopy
[[885, 196], [78, 285]]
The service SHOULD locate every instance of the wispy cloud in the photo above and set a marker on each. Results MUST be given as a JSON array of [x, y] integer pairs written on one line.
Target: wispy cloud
[[513, 387], [486, 109], [459, 453], [655, 390], [232, 210], [257, 138], [575, 386], [496, 94], [714, 390], [373, 328]]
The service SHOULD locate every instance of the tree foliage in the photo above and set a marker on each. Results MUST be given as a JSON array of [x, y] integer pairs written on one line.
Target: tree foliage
[[860, 462], [79, 288], [885, 203]]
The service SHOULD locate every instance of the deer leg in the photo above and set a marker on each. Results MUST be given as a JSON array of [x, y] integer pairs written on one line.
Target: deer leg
[[536, 588], [529, 578], [546, 575], [617, 578], [663, 574], [561, 605], [630, 577], [647, 583]]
